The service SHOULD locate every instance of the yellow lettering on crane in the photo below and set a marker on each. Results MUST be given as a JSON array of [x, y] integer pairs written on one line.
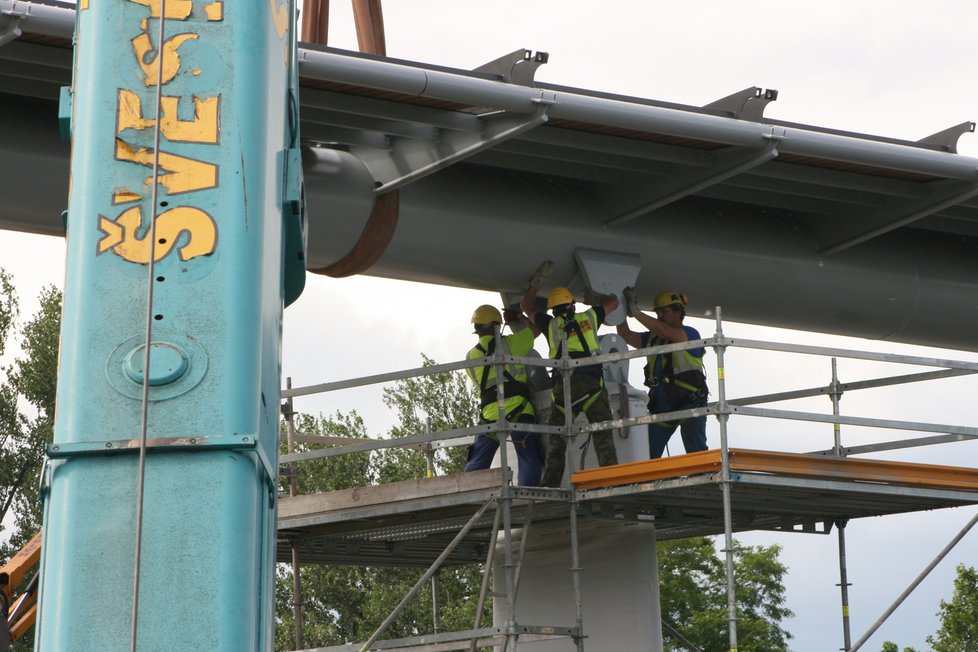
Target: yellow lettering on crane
[[202, 129], [177, 9], [214, 11], [122, 235], [185, 174], [124, 196], [280, 17], [149, 59]]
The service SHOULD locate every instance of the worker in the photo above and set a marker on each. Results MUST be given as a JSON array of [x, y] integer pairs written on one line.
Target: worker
[[675, 380], [5, 638], [587, 392], [519, 409]]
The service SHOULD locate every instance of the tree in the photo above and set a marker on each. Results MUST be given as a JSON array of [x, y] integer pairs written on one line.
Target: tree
[[890, 646], [693, 595], [31, 380], [959, 625]]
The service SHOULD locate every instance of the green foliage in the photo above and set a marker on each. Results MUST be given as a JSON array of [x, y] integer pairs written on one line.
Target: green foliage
[[343, 604], [889, 646], [31, 382], [693, 594], [959, 617]]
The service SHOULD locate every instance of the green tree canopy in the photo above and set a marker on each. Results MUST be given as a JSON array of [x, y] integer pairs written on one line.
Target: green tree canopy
[[959, 617], [27, 398], [693, 595]]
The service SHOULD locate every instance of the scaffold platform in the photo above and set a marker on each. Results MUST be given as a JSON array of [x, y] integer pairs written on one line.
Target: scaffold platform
[[410, 523]]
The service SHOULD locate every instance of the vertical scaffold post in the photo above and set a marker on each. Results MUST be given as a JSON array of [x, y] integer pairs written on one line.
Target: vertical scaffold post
[[568, 465], [505, 499], [289, 413], [835, 394], [429, 454], [722, 416]]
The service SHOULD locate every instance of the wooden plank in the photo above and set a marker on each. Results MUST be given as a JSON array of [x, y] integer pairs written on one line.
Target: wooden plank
[[788, 464], [403, 491]]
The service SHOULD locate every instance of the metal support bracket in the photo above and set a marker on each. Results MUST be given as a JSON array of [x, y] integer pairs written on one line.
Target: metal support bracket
[[246, 443], [728, 163], [517, 67], [748, 104], [408, 159], [9, 26], [948, 139]]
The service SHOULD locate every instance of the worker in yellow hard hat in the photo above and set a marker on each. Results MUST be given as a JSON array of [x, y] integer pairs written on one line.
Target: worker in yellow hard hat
[[676, 380], [516, 393], [588, 394]]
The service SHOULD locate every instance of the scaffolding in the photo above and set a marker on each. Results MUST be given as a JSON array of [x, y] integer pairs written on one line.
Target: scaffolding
[[447, 520]]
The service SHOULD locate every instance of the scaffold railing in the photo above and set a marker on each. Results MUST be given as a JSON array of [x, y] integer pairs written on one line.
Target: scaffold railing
[[722, 409]]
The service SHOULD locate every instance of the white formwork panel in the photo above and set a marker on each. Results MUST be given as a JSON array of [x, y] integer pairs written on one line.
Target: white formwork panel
[[619, 586]]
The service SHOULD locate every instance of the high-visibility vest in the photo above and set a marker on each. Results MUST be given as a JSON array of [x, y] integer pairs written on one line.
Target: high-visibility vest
[[587, 321], [515, 388]]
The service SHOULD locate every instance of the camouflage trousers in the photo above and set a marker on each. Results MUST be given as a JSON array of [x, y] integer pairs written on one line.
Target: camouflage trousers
[[589, 396]]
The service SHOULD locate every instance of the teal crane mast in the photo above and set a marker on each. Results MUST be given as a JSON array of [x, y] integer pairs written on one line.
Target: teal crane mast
[[185, 241]]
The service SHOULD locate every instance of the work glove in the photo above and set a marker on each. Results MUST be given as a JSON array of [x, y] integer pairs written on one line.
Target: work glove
[[631, 301], [510, 316], [543, 273], [592, 297]]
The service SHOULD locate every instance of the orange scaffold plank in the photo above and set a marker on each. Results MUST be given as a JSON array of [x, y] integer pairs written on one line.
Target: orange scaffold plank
[[789, 464]]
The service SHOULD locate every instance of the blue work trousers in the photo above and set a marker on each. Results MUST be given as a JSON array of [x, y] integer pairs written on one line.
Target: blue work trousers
[[693, 431], [530, 454]]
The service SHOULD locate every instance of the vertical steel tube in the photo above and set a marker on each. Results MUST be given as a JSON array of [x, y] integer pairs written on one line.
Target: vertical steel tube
[[568, 459], [844, 586], [725, 481], [289, 413], [485, 577], [836, 394], [505, 499]]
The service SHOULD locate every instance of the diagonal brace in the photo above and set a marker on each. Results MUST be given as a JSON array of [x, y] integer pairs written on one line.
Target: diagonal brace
[[728, 164], [949, 194], [409, 160]]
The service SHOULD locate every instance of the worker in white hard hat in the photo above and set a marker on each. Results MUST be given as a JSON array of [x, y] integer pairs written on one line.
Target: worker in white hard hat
[[588, 393], [516, 393], [676, 380]]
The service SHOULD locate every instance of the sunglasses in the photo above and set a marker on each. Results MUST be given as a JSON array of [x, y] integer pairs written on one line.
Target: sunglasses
[[675, 307]]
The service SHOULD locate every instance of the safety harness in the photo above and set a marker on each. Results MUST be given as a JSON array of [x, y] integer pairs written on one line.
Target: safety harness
[[511, 385], [680, 372]]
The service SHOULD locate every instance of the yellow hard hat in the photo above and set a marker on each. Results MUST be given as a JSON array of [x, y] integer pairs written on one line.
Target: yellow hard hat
[[486, 314], [559, 297], [668, 298]]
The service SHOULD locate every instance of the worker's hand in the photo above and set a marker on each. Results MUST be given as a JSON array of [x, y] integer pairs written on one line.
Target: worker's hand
[[543, 273], [592, 297], [512, 316], [631, 301]]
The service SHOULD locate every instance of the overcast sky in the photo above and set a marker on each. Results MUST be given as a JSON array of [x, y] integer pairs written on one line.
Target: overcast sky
[[895, 69]]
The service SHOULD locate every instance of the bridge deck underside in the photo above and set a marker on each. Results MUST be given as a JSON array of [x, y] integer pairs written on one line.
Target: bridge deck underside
[[411, 523]]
